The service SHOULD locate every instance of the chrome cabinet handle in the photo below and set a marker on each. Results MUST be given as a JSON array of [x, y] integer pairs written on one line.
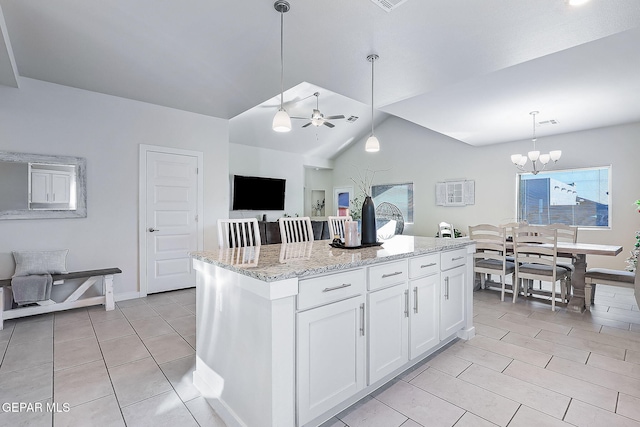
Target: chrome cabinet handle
[[446, 288], [362, 319], [384, 276], [406, 303], [344, 285], [457, 258], [428, 265], [151, 229], [415, 299]]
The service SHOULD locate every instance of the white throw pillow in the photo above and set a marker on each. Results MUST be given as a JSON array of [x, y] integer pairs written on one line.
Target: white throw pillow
[[40, 262]]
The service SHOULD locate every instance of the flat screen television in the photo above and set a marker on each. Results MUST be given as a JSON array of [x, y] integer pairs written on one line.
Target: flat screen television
[[255, 193]]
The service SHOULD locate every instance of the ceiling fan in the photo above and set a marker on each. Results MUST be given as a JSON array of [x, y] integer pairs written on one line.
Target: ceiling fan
[[317, 118]]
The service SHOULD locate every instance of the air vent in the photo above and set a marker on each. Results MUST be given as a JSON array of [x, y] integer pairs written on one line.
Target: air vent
[[548, 122], [388, 5], [352, 119]]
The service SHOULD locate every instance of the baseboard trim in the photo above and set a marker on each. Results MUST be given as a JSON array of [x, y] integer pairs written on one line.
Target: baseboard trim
[[125, 296]]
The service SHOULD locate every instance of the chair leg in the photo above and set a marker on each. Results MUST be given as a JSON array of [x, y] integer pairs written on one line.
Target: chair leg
[[587, 296], [563, 290], [553, 296], [515, 287], [502, 282], [482, 281]]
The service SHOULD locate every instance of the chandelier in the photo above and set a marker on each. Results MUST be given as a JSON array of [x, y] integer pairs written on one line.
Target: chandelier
[[520, 160]]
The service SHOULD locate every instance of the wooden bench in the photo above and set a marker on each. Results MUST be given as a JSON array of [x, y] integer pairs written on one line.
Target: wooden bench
[[72, 301], [604, 276]]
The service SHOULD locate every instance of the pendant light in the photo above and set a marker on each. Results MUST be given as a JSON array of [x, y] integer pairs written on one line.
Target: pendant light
[[520, 160], [372, 145], [281, 121]]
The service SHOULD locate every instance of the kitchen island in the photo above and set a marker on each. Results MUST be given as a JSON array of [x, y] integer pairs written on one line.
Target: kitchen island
[[288, 335]]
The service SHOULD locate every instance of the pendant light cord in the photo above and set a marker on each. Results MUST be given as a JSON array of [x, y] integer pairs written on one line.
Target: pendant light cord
[[373, 59], [533, 113], [281, 58]]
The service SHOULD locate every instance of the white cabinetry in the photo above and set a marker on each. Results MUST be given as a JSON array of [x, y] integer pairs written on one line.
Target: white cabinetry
[[50, 187], [452, 293], [388, 331], [330, 345], [425, 314]]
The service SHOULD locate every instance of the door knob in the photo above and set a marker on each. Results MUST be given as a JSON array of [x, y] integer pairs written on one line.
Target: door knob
[[151, 229]]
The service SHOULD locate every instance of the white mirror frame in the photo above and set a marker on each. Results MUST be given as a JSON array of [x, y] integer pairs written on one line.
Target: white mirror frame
[[80, 164]]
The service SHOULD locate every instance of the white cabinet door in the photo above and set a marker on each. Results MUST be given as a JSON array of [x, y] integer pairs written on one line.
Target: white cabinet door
[[60, 185], [425, 314], [452, 301], [331, 356], [40, 187], [388, 331]]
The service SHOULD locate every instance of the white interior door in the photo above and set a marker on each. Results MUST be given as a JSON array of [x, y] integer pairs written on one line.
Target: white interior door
[[171, 220]]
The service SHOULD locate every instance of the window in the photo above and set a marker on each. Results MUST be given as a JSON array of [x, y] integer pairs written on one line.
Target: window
[[574, 197], [400, 195]]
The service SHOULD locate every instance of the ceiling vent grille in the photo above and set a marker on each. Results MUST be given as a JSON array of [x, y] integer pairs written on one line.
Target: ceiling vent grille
[[352, 119], [388, 5], [548, 122]]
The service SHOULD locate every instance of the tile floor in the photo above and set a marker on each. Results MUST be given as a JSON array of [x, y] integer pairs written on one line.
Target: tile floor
[[127, 367], [527, 366]]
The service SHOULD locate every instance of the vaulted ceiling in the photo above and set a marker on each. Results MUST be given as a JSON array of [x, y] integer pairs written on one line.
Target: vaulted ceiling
[[472, 70]]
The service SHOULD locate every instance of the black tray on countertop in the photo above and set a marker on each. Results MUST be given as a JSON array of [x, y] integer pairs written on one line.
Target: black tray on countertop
[[342, 246]]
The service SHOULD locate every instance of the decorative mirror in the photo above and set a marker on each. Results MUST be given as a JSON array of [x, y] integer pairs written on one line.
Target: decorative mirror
[[35, 186]]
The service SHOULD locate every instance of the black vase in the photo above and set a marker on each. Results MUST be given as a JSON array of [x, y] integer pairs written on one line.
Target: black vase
[[368, 221]]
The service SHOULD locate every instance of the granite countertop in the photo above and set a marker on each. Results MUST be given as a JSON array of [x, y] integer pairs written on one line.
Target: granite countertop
[[270, 263]]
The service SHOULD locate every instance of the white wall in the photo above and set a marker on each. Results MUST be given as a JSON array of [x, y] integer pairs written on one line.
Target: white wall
[[45, 118], [413, 153], [253, 161]]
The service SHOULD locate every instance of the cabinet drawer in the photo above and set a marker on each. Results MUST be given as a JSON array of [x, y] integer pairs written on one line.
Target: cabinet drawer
[[326, 289], [424, 265], [387, 274], [453, 259]]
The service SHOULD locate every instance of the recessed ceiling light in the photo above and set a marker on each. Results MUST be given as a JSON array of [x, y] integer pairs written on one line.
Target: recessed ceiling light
[[577, 2]]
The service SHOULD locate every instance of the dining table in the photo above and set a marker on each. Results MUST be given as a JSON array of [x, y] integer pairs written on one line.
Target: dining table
[[579, 252]]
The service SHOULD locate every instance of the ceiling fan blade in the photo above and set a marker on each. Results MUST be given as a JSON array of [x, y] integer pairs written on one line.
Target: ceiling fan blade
[[302, 118], [304, 126], [329, 124], [334, 117]]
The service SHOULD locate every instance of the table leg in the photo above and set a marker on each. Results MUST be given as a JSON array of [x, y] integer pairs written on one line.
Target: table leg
[[576, 303]]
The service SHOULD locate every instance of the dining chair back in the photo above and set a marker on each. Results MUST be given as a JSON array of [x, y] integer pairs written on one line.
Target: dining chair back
[[336, 225], [446, 230], [233, 233], [490, 256], [566, 233], [296, 229], [536, 250]]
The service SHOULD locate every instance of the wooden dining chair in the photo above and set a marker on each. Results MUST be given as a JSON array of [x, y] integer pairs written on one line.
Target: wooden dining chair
[[605, 276], [490, 255], [566, 233], [297, 229], [336, 225], [536, 251], [234, 233]]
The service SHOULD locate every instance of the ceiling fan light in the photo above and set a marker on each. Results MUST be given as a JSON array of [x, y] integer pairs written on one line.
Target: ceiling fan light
[[533, 155], [316, 122], [282, 121], [544, 158], [555, 155], [372, 145]]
